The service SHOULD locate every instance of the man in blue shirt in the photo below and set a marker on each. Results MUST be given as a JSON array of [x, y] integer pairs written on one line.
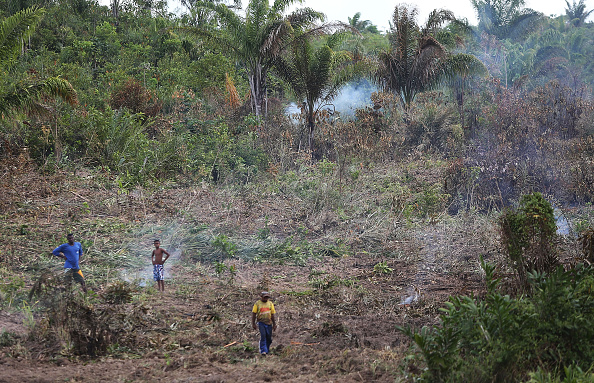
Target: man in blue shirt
[[71, 253]]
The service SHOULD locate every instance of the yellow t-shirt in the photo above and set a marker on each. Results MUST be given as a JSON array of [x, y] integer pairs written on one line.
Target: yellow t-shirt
[[264, 311]]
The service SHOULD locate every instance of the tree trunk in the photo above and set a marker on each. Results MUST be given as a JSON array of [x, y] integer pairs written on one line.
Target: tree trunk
[[311, 126], [257, 82]]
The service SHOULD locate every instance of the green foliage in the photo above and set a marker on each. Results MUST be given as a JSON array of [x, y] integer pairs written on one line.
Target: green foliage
[[13, 30], [289, 251], [505, 18], [416, 60], [29, 96], [317, 74], [254, 39], [586, 240], [502, 339], [118, 140], [227, 248], [214, 152], [382, 268], [528, 236], [11, 288], [571, 374], [576, 12], [7, 338], [220, 268], [319, 281], [362, 25]]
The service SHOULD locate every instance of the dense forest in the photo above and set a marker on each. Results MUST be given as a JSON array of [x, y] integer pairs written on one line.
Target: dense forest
[[326, 140]]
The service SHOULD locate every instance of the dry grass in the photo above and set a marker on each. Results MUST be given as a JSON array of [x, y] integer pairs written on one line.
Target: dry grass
[[337, 316]]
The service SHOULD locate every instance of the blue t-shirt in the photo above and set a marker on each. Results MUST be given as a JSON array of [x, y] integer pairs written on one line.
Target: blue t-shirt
[[72, 254]]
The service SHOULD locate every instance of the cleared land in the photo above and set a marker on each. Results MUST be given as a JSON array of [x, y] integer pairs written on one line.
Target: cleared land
[[342, 279]]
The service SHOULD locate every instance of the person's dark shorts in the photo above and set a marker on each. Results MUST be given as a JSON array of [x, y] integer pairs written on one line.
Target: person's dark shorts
[[75, 274]]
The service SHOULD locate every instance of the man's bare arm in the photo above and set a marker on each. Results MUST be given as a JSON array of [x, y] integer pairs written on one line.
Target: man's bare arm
[[167, 257]]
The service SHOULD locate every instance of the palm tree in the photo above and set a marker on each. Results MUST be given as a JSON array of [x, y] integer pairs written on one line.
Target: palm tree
[[417, 62], [255, 39], [191, 3], [362, 25], [316, 74], [505, 18], [14, 30], [458, 71], [577, 12], [412, 64]]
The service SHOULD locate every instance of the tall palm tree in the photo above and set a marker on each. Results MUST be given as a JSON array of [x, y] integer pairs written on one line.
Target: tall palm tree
[[362, 25], [255, 39], [14, 30], [412, 63], [577, 12], [417, 62], [458, 71], [505, 18], [317, 74]]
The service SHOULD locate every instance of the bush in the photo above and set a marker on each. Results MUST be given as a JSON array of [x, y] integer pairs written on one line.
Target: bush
[[73, 323], [528, 234], [136, 98], [118, 140], [587, 244], [502, 339]]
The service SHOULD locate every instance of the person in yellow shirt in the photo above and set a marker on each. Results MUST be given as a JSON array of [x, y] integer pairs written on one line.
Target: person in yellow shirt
[[265, 315]]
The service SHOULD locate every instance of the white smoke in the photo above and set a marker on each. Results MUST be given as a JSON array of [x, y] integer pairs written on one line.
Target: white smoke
[[353, 96]]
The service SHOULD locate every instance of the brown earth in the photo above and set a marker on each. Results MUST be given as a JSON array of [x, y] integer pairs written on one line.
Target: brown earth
[[337, 314]]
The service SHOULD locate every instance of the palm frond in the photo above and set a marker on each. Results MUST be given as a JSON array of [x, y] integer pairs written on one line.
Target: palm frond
[[30, 98], [463, 66], [280, 6], [15, 29], [436, 20], [305, 17]]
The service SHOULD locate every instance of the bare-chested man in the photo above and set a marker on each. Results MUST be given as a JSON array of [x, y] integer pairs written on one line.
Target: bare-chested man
[[158, 262]]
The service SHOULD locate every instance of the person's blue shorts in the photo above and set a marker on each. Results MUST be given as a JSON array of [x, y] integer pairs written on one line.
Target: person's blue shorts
[[158, 272]]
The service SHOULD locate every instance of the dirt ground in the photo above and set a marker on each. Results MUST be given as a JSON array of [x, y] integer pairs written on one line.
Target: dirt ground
[[337, 315]]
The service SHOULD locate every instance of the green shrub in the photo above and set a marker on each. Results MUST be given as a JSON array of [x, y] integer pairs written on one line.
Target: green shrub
[[587, 244], [118, 140], [382, 268], [528, 235], [572, 374], [502, 339], [7, 338], [11, 288], [227, 248], [220, 268]]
